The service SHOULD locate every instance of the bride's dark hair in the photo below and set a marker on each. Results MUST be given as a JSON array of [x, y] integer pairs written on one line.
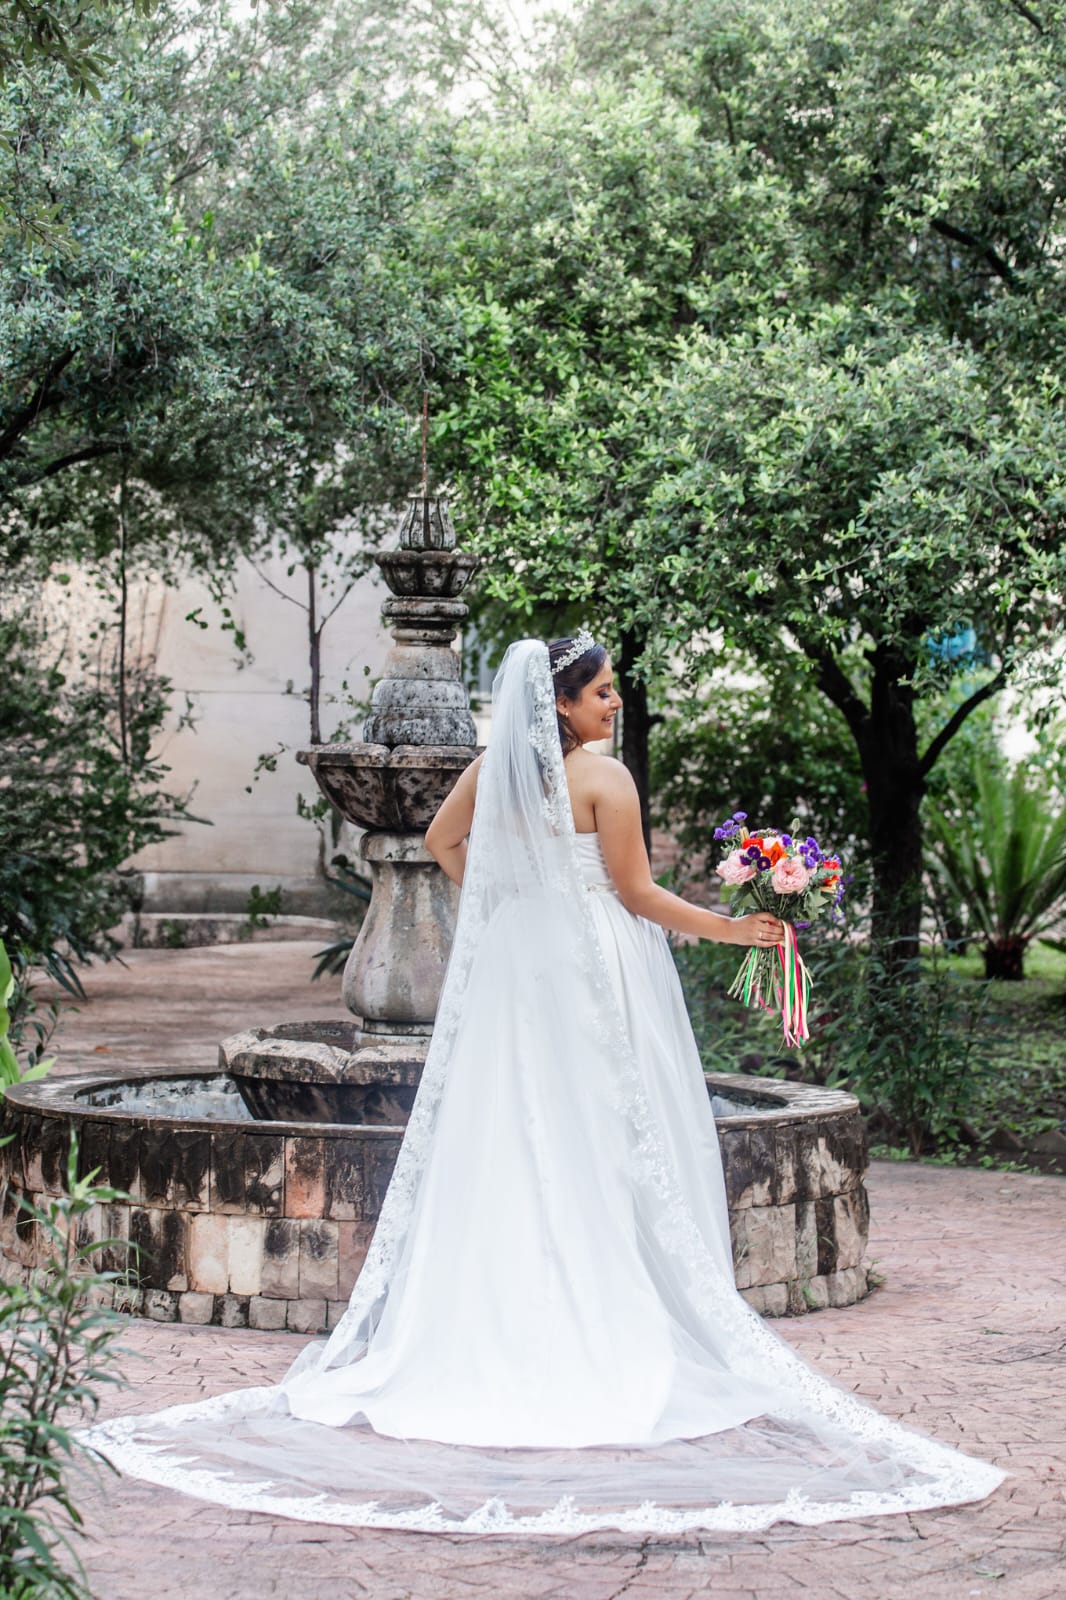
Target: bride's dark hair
[[572, 679]]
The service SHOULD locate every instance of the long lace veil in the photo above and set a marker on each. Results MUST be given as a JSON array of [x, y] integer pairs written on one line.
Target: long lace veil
[[519, 860], [540, 1149]]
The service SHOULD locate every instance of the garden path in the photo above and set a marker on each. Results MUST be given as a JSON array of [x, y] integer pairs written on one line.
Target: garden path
[[965, 1339]]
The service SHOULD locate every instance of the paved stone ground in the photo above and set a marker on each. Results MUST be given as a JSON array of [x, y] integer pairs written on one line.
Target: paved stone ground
[[170, 1008], [965, 1339]]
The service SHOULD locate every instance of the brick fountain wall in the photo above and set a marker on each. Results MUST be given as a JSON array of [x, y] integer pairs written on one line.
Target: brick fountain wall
[[266, 1224]]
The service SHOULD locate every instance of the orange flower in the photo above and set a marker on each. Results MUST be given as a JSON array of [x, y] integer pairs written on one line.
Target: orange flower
[[775, 852]]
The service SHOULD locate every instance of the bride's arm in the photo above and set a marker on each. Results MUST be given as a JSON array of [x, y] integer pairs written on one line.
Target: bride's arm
[[447, 833], [617, 809]]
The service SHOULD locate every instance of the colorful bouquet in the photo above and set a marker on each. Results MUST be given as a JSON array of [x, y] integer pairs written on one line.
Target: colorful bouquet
[[792, 879]]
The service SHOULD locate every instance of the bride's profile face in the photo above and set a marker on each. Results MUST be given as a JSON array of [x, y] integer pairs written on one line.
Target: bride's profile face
[[592, 714]]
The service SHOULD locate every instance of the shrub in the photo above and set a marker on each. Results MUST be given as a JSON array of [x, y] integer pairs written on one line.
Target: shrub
[[10, 1070], [57, 1351], [78, 797], [916, 1052], [906, 1038]]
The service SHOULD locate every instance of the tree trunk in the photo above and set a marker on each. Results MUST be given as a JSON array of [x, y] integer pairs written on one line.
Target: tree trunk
[[636, 725], [894, 788], [1005, 958], [314, 651], [123, 615]]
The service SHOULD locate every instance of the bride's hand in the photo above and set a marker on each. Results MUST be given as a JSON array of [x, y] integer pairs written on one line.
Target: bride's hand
[[759, 928]]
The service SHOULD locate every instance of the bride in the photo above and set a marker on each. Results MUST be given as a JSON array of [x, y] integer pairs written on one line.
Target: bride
[[546, 1336]]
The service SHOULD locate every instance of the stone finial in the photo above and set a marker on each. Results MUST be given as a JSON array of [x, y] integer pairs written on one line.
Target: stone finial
[[427, 524], [420, 699]]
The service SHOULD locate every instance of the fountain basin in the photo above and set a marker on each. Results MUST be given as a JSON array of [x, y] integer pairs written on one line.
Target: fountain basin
[[399, 789], [309, 1072], [426, 572], [266, 1223]]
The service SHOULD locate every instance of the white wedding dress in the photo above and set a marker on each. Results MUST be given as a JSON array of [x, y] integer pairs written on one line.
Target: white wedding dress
[[546, 1336]]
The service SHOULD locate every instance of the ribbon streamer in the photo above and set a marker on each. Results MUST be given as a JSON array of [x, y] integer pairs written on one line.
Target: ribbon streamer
[[794, 989], [775, 979]]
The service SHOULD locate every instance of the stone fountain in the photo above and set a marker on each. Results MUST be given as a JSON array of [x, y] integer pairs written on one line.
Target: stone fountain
[[418, 738]]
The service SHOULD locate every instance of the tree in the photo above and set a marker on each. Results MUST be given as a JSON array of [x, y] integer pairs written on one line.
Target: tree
[[850, 485], [341, 327], [903, 168], [576, 240], [226, 358], [231, 355], [36, 35], [239, 205], [924, 143], [41, 39]]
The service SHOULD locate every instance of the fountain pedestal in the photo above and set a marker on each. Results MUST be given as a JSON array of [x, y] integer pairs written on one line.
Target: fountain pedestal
[[393, 976], [418, 738]]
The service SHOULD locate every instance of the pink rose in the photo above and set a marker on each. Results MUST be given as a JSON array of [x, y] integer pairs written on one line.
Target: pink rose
[[790, 876], [733, 870]]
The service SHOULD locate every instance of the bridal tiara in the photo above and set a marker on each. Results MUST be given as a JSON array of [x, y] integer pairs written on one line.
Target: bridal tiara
[[583, 643]]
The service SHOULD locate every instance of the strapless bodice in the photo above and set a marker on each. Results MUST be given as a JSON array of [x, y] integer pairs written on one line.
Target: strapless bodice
[[593, 866]]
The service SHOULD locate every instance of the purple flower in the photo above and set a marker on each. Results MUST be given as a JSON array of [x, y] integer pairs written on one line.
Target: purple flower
[[786, 840], [762, 862], [740, 816]]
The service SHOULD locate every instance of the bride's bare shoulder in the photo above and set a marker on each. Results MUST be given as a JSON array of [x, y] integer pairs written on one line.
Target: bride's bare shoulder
[[600, 774]]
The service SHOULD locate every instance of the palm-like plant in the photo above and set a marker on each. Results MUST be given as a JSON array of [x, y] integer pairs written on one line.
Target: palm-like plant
[[999, 849]]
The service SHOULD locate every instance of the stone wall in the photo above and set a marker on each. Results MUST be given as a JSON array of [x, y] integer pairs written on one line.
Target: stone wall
[[798, 1211], [237, 1224]]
